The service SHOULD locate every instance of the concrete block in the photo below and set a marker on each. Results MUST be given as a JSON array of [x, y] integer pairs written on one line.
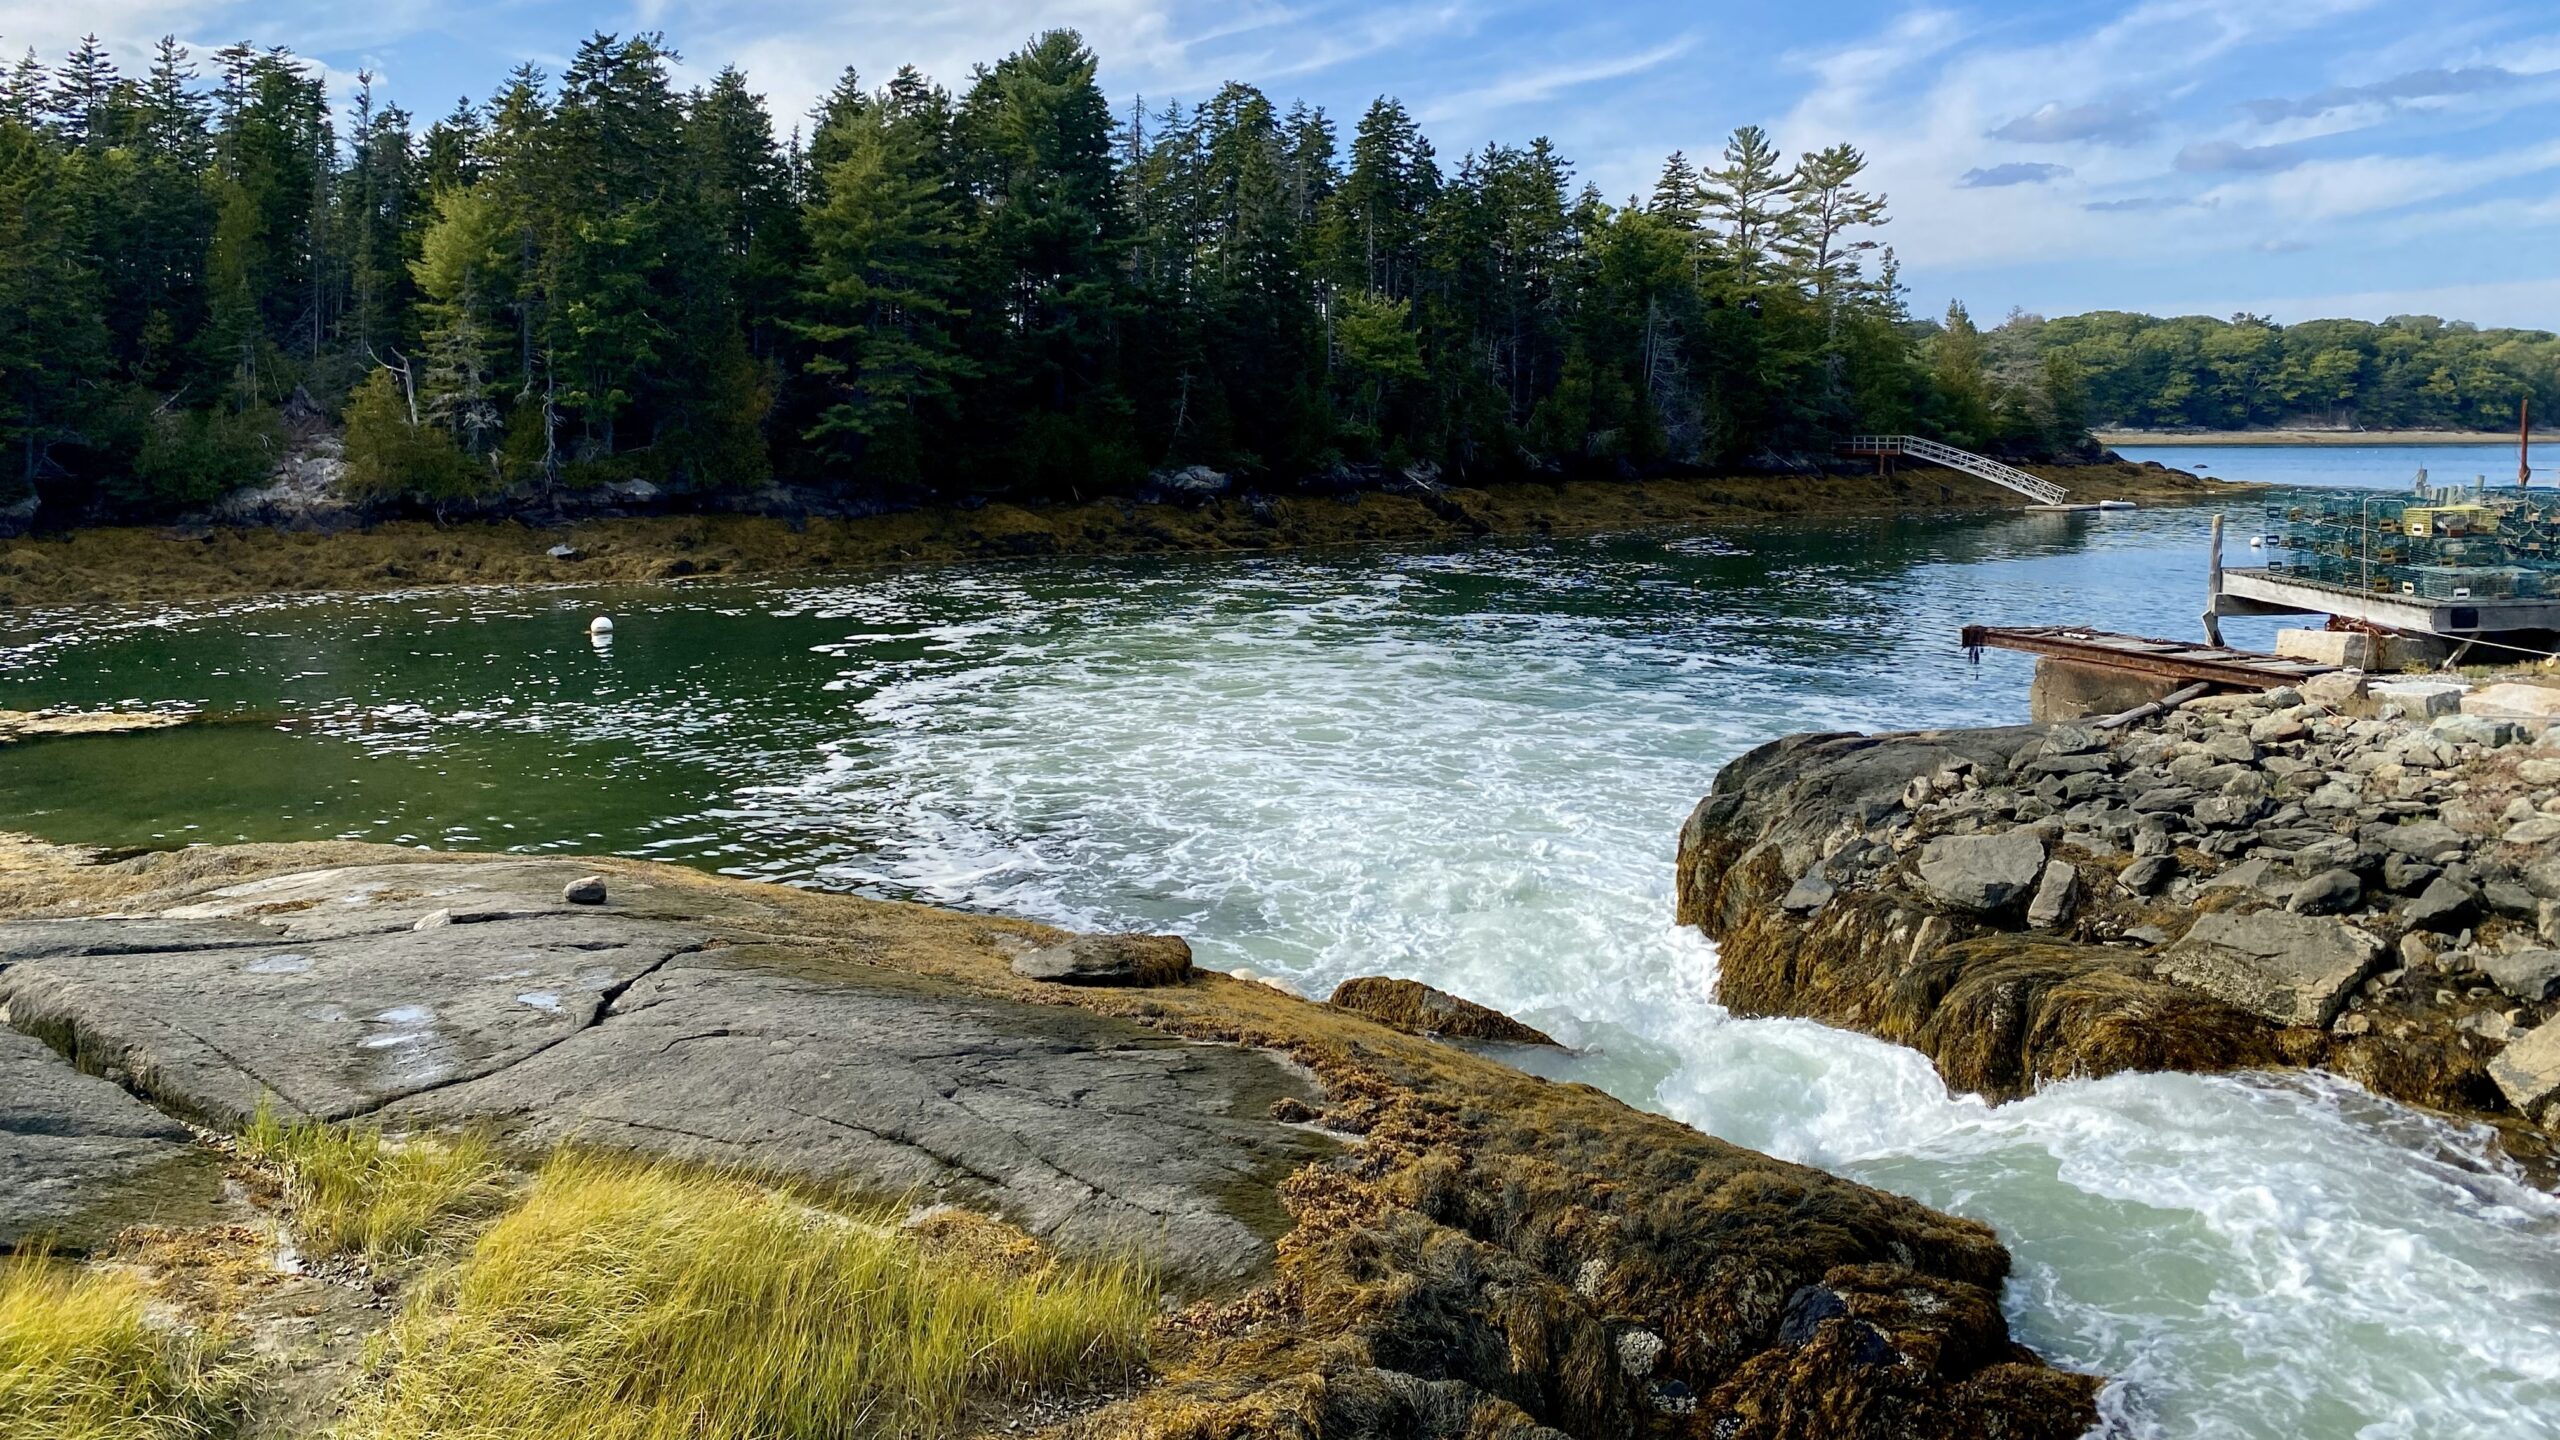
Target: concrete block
[[2346, 648]]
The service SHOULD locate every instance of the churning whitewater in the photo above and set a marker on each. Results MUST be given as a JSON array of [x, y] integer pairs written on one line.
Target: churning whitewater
[[1465, 766]]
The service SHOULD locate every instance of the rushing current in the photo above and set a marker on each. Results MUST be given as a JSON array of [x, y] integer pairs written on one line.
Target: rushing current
[[1464, 764]]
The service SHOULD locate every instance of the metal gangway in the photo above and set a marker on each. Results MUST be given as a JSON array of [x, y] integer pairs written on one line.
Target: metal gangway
[[1981, 467]]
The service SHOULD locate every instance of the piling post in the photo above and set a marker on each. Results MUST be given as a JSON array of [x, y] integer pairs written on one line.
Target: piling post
[[2213, 585]]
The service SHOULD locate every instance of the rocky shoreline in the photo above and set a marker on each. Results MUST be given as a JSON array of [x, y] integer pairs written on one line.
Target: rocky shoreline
[[2346, 877], [1368, 1229], [136, 564]]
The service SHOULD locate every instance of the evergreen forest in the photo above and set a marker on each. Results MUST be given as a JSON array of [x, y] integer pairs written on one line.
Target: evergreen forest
[[1016, 287]]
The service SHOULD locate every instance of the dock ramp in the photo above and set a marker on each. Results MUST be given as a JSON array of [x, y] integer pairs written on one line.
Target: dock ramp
[[1980, 467]]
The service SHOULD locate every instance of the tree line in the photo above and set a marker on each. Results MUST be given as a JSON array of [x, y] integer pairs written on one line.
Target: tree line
[[1014, 288], [2409, 372]]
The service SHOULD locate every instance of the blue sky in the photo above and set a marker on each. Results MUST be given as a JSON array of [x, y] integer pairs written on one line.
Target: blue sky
[[2296, 157]]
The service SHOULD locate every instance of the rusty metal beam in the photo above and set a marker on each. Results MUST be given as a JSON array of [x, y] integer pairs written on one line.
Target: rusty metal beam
[[2143, 655]]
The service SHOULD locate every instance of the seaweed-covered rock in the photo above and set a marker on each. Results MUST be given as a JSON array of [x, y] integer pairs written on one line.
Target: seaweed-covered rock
[[2380, 834], [1109, 960], [1419, 1009]]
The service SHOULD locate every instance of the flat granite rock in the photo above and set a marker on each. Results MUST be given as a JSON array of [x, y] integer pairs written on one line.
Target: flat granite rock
[[72, 1145], [372, 899], [1096, 1131], [2292, 969], [665, 1021], [328, 1027]]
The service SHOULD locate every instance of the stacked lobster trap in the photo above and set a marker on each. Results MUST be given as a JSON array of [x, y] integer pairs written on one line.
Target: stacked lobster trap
[[2452, 544]]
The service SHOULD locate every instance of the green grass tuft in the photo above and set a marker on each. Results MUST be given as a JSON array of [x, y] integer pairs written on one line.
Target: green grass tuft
[[81, 1360], [623, 1301], [354, 1192]]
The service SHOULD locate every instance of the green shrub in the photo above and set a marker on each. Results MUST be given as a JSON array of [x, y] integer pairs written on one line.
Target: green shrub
[[388, 458], [150, 456]]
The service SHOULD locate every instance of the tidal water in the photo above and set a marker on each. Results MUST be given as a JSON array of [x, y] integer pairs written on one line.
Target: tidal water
[[1465, 764], [2356, 467]]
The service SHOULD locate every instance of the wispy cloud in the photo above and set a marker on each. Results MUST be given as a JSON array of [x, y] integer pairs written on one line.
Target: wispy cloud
[[2106, 122], [2138, 204], [2208, 156], [2430, 84], [1545, 81], [1993, 177]]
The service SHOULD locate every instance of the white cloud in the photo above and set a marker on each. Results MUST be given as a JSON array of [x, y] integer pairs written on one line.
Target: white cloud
[[1546, 80]]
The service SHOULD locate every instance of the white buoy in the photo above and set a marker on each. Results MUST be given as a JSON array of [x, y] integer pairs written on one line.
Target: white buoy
[[601, 625]]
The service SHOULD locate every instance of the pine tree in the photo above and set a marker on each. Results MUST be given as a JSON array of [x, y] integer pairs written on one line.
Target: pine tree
[[1375, 229], [450, 154], [1679, 195], [1751, 195], [460, 270], [885, 284], [82, 91], [27, 92], [172, 113], [1820, 246]]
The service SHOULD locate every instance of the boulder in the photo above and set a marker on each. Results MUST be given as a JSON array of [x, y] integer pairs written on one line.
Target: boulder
[[1812, 891], [2147, 874], [2540, 830], [2527, 1072], [2539, 772], [1109, 960], [2530, 975], [2431, 840], [2331, 892], [1419, 1009], [2339, 690], [2291, 969], [2057, 895], [1188, 482], [585, 890], [1983, 874], [2444, 906]]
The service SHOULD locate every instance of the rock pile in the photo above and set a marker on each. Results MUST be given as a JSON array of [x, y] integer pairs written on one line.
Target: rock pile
[[2344, 865]]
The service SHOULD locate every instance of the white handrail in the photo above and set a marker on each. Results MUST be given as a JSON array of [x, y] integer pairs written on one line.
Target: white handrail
[[1981, 467]]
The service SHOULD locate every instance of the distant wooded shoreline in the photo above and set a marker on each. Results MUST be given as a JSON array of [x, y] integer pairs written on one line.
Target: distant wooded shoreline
[[2139, 438]]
